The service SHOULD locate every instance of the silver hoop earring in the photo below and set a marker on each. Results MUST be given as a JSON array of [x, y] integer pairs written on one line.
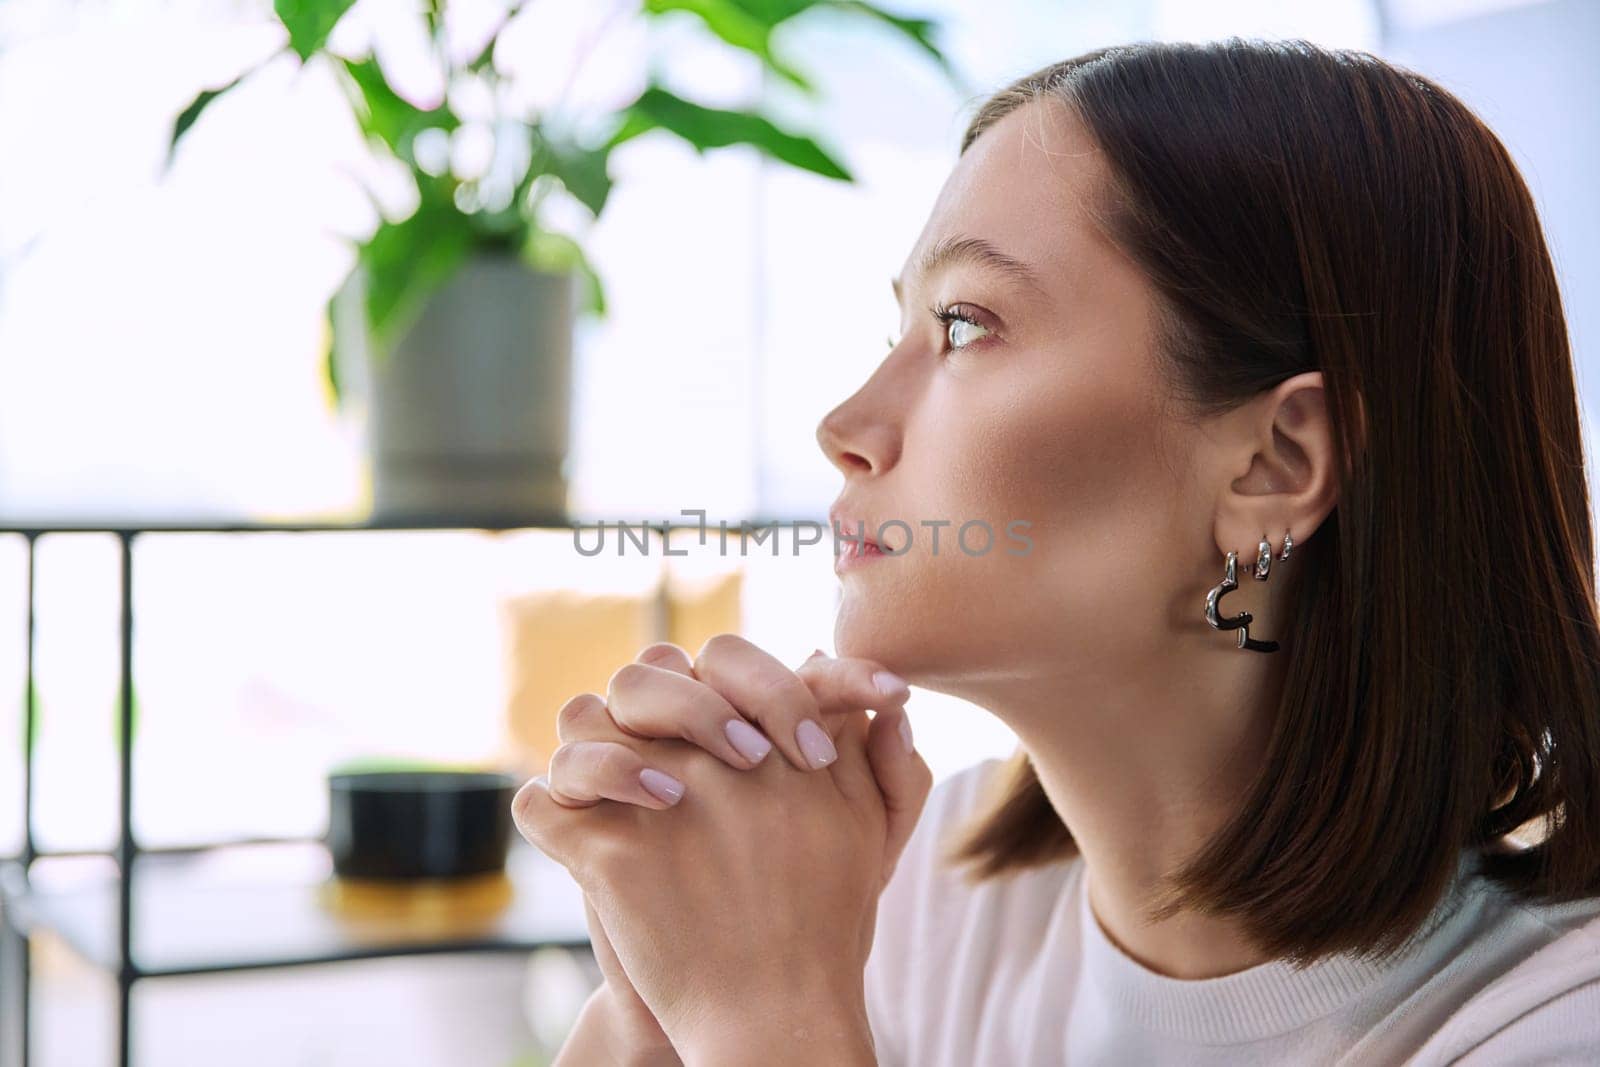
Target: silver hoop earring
[[1263, 559], [1241, 621], [1288, 543]]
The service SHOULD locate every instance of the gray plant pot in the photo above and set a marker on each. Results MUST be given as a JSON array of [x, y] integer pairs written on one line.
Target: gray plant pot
[[469, 412]]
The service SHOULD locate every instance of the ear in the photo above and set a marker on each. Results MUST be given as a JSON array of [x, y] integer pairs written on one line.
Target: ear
[[1290, 478]]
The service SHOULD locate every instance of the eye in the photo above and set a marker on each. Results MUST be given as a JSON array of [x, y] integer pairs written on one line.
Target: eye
[[957, 325]]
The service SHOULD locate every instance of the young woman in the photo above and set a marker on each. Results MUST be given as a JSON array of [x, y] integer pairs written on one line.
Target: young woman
[[1264, 344]]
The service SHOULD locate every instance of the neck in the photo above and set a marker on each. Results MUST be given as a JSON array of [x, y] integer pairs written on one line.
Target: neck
[[1144, 769]]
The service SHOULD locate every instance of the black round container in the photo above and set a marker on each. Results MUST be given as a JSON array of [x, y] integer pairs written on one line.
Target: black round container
[[400, 825]]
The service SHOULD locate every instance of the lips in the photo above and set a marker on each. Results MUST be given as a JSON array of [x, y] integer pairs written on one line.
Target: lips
[[853, 545], [853, 530], [854, 549]]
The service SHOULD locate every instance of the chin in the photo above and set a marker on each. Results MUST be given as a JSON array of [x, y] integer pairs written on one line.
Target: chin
[[909, 639], [873, 630]]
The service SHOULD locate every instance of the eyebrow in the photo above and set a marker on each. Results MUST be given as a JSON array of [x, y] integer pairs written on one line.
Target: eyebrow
[[976, 251]]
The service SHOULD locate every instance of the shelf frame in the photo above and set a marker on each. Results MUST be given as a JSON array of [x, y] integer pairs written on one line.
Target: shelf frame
[[17, 899]]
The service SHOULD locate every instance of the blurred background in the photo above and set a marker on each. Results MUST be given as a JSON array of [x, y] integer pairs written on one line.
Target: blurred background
[[332, 320]]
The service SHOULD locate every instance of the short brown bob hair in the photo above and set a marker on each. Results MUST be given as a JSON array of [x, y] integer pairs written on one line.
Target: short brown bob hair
[[1299, 209]]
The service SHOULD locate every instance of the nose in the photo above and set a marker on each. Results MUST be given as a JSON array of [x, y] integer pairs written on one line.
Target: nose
[[856, 439]]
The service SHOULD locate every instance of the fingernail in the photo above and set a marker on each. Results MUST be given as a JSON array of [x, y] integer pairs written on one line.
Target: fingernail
[[890, 684], [905, 733], [663, 787], [817, 653], [816, 744], [748, 740]]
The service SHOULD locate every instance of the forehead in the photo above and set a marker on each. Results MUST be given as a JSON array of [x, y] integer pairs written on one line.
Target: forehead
[[1027, 185]]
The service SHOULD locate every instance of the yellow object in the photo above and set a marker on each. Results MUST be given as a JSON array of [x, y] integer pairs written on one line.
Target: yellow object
[[563, 642], [698, 610], [423, 908]]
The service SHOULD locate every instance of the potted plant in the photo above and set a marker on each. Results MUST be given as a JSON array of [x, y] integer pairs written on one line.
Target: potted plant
[[461, 312]]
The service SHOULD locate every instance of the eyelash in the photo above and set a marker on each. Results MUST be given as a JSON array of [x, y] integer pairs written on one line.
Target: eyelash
[[946, 314]]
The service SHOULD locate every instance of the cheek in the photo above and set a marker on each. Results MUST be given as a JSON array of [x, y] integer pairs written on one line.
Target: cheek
[[1080, 463]]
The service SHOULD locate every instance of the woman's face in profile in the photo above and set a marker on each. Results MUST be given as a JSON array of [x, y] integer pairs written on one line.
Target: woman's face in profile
[[1047, 408]]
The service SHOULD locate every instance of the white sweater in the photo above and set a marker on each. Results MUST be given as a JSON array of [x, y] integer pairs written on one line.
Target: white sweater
[[1017, 971]]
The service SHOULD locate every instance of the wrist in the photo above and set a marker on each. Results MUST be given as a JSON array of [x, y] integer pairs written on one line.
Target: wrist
[[802, 1033], [633, 1045]]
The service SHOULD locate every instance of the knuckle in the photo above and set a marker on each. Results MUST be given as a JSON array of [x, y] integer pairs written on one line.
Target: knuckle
[[617, 764], [790, 690], [522, 804], [524, 815], [662, 652], [628, 676], [585, 771], [561, 762], [780, 682], [577, 710], [720, 645]]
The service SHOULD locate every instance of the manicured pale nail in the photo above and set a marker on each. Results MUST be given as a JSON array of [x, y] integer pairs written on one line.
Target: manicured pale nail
[[890, 684], [662, 786], [816, 744], [905, 733], [748, 740]]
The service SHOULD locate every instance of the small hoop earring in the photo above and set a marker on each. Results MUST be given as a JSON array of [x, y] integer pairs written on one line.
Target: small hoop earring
[[1263, 559], [1241, 621], [1288, 543]]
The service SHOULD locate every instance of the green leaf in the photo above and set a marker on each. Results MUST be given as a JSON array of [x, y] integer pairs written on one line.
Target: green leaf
[[556, 252], [773, 12], [189, 115], [309, 22], [706, 127], [919, 31], [386, 114], [582, 170], [738, 27], [406, 261], [186, 117]]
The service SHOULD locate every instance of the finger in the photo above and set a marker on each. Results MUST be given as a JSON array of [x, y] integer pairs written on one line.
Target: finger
[[656, 702], [542, 822], [584, 718], [903, 778], [769, 694], [852, 771], [851, 683], [667, 656], [583, 773]]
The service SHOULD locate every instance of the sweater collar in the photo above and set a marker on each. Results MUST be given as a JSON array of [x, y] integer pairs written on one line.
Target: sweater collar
[[1261, 1001]]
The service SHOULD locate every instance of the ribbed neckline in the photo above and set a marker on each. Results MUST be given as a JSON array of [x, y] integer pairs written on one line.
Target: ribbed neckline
[[1261, 1001]]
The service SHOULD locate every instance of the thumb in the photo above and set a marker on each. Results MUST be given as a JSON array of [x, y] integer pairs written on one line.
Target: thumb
[[903, 778]]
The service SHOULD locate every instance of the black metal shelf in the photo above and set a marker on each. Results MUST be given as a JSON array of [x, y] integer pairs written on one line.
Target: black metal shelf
[[188, 921], [162, 929]]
